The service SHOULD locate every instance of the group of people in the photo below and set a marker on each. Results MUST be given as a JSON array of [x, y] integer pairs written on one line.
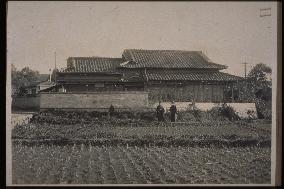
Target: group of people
[[160, 112]]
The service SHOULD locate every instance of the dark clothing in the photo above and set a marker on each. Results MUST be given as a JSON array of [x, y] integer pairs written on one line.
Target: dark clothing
[[111, 110], [173, 110], [160, 113]]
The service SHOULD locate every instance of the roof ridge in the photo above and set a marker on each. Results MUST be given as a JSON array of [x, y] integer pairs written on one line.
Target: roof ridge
[[175, 50], [169, 58], [85, 57]]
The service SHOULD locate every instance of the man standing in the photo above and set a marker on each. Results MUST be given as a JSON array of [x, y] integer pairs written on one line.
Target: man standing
[[111, 110], [160, 112], [173, 110]]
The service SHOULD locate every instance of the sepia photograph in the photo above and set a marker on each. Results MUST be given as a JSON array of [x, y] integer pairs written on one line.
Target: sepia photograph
[[141, 93]]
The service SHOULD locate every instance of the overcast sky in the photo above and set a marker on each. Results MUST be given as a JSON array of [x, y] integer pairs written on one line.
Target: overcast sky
[[228, 33]]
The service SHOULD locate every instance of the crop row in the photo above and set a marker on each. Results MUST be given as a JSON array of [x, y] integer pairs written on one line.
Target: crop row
[[187, 130], [120, 118], [87, 164]]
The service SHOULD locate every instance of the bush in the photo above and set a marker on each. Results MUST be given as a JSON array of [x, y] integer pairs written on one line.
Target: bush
[[224, 111], [196, 113], [186, 116], [75, 117], [190, 115], [126, 115], [149, 116], [263, 109]]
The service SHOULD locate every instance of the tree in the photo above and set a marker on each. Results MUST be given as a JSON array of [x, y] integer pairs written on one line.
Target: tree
[[14, 76], [259, 75], [259, 86], [23, 78], [259, 80]]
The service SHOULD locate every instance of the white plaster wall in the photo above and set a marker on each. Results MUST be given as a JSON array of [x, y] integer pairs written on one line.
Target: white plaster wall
[[240, 108]]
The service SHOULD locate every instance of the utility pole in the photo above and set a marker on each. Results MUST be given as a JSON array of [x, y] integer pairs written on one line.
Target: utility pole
[[55, 67], [245, 64], [50, 75]]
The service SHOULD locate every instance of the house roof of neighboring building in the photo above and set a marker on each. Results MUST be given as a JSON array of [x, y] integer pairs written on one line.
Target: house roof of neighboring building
[[92, 64], [32, 84], [43, 77], [139, 58], [37, 83], [40, 79], [47, 83], [190, 76], [46, 86]]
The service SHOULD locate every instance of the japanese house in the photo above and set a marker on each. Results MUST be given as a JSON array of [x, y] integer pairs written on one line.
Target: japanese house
[[165, 74]]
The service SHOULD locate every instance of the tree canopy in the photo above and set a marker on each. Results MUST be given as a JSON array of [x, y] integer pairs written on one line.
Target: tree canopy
[[259, 73], [23, 78], [259, 85]]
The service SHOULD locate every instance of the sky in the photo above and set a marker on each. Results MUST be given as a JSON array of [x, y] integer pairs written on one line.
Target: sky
[[229, 33]]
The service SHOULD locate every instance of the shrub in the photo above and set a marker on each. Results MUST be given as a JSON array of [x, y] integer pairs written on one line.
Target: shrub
[[186, 116], [125, 115], [263, 109], [215, 112], [196, 113], [224, 111], [149, 116], [190, 115]]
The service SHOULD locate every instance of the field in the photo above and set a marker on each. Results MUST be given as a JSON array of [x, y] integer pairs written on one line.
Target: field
[[85, 164], [140, 152]]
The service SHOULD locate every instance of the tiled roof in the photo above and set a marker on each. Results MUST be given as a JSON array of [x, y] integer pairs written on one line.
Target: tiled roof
[[92, 64], [168, 59], [191, 76]]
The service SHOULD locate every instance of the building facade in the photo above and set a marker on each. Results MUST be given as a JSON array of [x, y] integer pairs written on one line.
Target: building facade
[[167, 75]]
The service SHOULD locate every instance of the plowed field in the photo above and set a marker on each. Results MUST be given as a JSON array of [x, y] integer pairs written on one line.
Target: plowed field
[[127, 152], [84, 164]]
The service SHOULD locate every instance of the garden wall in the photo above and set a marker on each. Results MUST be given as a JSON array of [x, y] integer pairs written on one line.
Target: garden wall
[[187, 92], [26, 103], [121, 100], [94, 100], [240, 108]]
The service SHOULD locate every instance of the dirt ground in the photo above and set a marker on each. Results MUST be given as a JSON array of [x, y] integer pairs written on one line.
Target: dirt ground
[[82, 164], [20, 118]]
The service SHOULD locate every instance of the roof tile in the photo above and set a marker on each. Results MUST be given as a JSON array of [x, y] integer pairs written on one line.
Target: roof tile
[[92, 64], [191, 76], [168, 59]]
